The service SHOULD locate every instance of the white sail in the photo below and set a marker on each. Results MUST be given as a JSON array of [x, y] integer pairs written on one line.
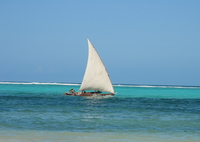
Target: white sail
[[96, 76]]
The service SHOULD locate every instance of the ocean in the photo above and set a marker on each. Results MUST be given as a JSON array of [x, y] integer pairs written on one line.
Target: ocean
[[41, 112]]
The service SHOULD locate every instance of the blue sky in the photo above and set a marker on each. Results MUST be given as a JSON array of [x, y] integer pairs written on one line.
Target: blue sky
[[153, 42]]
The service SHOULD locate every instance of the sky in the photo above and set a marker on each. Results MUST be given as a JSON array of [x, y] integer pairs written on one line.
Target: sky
[[153, 42]]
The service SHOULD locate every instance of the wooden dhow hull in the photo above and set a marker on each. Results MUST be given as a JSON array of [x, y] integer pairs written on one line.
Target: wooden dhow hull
[[88, 94]]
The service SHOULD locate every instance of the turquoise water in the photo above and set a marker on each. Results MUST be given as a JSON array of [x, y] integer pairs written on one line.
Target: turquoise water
[[40, 112]]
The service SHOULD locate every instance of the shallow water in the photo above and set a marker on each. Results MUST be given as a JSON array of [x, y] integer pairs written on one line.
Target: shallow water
[[41, 112]]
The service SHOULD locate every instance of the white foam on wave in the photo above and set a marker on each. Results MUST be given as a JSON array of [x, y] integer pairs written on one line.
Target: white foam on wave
[[157, 86], [39, 83], [117, 85]]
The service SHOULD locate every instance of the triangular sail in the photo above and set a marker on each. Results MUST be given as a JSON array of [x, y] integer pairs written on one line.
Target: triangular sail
[[96, 76]]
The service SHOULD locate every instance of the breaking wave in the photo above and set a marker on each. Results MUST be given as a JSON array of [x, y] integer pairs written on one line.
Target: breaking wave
[[39, 83], [117, 85]]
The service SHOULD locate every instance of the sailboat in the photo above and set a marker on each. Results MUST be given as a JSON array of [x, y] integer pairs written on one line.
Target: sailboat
[[96, 77]]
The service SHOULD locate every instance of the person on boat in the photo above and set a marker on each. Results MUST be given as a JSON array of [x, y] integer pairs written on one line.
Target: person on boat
[[72, 90], [83, 91]]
